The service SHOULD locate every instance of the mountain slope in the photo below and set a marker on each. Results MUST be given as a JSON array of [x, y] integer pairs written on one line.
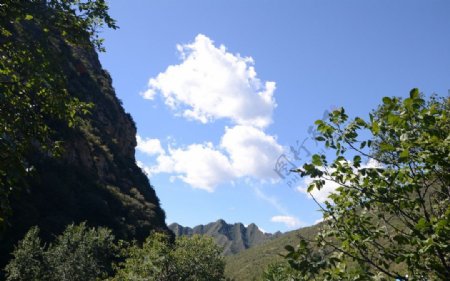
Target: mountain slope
[[234, 238], [96, 179], [251, 263]]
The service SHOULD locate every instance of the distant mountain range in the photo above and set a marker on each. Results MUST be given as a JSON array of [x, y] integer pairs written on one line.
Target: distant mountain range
[[234, 238]]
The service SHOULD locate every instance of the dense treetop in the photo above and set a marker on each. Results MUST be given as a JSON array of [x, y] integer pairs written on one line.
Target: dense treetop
[[390, 219]]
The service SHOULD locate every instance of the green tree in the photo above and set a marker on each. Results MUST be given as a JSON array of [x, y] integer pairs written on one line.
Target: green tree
[[390, 218], [29, 259], [34, 94], [79, 253], [152, 261], [82, 253], [189, 258], [198, 258]]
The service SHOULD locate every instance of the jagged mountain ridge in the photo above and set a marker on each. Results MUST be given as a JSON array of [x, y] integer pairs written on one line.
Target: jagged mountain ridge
[[234, 238]]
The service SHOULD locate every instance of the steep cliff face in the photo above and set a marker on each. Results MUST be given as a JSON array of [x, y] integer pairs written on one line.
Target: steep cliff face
[[96, 179], [234, 238]]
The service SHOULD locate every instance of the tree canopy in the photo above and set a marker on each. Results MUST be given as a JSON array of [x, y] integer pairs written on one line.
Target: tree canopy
[[390, 216], [84, 253], [79, 253], [195, 258]]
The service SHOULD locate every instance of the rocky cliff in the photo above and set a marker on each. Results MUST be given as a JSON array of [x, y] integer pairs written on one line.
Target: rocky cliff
[[96, 178], [234, 238]]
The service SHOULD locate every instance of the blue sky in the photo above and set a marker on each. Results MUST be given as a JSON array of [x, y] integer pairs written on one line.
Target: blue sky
[[220, 89]]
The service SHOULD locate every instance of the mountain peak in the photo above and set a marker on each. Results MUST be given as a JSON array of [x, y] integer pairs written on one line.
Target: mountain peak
[[232, 237], [221, 221]]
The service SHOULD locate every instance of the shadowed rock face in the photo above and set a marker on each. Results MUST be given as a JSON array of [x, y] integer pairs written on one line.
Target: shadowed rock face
[[234, 238], [96, 179]]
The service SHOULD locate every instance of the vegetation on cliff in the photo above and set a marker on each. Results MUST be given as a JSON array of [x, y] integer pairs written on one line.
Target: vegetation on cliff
[[66, 144]]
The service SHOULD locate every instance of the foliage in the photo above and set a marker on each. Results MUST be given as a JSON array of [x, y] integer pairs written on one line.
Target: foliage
[[190, 258], [33, 87], [29, 261], [82, 254], [280, 271], [79, 253], [198, 259], [152, 261], [391, 217]]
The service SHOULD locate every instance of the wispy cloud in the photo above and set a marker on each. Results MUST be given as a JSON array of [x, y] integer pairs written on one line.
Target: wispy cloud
[[289, 221], [272, 201]]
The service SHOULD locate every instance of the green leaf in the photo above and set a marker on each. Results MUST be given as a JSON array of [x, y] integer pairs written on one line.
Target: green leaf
[[404, 154], [363, 144], [414, 93], [289, 248], [375, 128], [357, 161], [316, 160], [28, 17], [319, 122], [360, 121], [421, 224], [387, 100]]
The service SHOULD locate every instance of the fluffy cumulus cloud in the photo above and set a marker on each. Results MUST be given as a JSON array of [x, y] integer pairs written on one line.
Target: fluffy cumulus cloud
[[243, 152], [211, 83], [289, 221], [149, 146], [252, 152], [198, 165]]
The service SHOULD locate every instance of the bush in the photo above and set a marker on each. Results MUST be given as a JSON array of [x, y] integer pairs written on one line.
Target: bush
[[79, 253]]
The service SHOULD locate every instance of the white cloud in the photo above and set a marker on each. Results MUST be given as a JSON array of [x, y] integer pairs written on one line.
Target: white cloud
[[211, 83], [149, 146], [271, 200], [244, 152], [149, 94], [208, 84], [198, 165], [320, 195], [318, 221], [144, 168], [286, 218], [372, 163], [252, 152], [289, 221]]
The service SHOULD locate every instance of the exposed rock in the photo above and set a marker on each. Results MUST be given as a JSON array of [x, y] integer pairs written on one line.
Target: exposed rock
[[96, 179], [234, 238]]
